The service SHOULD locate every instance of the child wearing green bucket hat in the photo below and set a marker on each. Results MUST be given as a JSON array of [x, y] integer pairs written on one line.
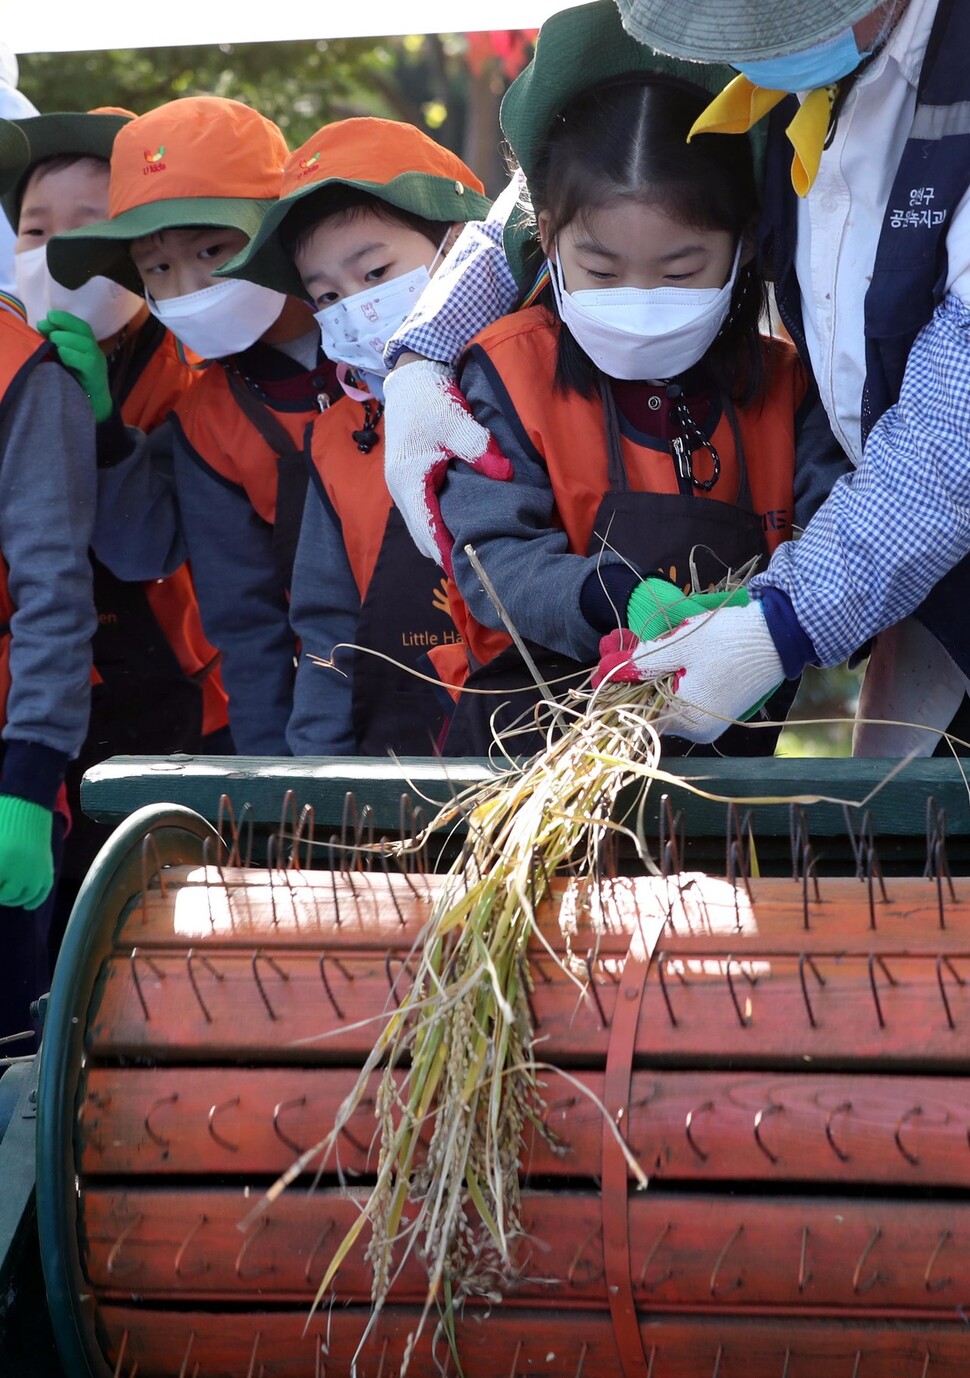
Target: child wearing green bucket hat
[[651, 429], [367, 208], [47, 619], [157, 687], [865, 228], [189, 184], [493, 265]]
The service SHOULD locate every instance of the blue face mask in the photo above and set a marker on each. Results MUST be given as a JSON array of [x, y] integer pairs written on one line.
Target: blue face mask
[[808, 70]]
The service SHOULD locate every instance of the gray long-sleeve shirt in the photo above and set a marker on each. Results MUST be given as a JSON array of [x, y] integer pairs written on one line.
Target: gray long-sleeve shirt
[[511, 528], [47, 508], [137, 530], [242, 598]]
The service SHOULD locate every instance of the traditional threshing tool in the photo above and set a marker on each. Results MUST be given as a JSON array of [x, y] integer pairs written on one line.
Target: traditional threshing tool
[[784, 1056]]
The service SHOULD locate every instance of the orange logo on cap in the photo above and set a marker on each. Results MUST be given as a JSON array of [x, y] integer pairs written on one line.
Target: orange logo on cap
[[154, 160], [308, 164]]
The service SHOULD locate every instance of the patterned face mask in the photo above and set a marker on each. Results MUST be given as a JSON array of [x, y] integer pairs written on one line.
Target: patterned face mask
[[355, 330]]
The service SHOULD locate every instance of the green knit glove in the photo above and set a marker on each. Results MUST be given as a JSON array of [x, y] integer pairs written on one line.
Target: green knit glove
[[657, 606], [80, 352], [26, 863]]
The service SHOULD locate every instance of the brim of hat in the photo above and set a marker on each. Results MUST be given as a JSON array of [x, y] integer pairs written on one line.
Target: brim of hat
[[265, 261], [737, 30], [101, 250], [64, 132], [577, 50], [14, 155]]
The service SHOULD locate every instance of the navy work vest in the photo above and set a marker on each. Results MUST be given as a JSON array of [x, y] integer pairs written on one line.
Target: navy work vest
[[910, 270]]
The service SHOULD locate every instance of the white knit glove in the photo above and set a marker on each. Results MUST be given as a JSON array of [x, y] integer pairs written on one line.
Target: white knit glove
[[724, 665], [427, 424]]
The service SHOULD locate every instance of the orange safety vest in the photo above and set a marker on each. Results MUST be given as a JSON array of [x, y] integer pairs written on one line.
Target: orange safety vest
[[569, 434], [22, 349], [354, 484], [228, 442], [166, 378]]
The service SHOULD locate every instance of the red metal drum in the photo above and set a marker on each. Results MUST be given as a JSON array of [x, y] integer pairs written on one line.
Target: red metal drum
[[786, 1059]]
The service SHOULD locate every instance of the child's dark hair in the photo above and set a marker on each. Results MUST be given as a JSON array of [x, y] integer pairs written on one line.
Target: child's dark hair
[[310, 211], [57, 163], [626, 140]]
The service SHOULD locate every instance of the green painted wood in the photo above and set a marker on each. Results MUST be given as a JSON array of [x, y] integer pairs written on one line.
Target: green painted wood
[[114, 789], [898, 802]]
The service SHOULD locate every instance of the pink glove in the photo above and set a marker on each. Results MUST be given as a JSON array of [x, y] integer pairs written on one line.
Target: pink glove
[[428, 423]]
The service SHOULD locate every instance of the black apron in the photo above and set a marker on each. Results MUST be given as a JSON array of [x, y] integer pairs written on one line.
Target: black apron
[[657, 533], [145, 703], [404, 614]]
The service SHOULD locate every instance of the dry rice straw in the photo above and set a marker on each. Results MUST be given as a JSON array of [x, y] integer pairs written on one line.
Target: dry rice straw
[[457, 1055]]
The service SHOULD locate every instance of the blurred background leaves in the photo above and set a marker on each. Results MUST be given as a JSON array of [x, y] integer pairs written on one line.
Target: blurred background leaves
[[451, 85]]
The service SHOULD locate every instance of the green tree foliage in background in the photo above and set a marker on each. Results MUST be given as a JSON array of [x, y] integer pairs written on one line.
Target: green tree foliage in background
[[449, 84], [297, 84], [820, 722]]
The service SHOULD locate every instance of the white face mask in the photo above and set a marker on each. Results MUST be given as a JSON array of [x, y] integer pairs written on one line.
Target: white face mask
[[220, 320], [105, 305], [355, 330], [635, 332]]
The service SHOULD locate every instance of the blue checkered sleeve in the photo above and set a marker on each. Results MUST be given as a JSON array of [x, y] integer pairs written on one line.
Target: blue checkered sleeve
[[472, 288], [889, 531]]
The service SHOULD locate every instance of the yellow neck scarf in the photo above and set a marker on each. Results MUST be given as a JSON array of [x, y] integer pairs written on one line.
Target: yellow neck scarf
[[742, 104]]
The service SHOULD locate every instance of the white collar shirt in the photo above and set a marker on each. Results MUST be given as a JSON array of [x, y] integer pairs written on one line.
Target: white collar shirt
[[840, 220]]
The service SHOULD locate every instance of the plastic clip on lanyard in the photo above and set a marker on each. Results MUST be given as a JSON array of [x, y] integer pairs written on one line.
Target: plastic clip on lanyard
[[682, 466]]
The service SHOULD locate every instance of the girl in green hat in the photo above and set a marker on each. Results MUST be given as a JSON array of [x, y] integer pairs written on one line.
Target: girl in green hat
[[651, 428]]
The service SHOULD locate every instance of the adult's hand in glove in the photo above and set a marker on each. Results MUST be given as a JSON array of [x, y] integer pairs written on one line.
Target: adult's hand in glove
[[26, 863], [724, 666], [427, 424], [80, 352]]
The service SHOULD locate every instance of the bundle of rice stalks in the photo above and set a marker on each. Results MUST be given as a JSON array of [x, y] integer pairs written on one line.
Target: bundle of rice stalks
[[457, 1054], [460, 1077]]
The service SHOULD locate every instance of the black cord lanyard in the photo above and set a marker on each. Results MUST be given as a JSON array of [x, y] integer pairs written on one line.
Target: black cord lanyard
[[367, 436], [681, 447]]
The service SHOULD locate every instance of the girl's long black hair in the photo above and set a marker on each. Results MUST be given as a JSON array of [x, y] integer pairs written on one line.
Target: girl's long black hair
[[626, 140]]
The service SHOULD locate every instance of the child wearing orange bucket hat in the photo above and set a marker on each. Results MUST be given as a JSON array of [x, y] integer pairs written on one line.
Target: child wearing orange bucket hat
[[190, 182], [47, 506], [157, 688], [366, 211]]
